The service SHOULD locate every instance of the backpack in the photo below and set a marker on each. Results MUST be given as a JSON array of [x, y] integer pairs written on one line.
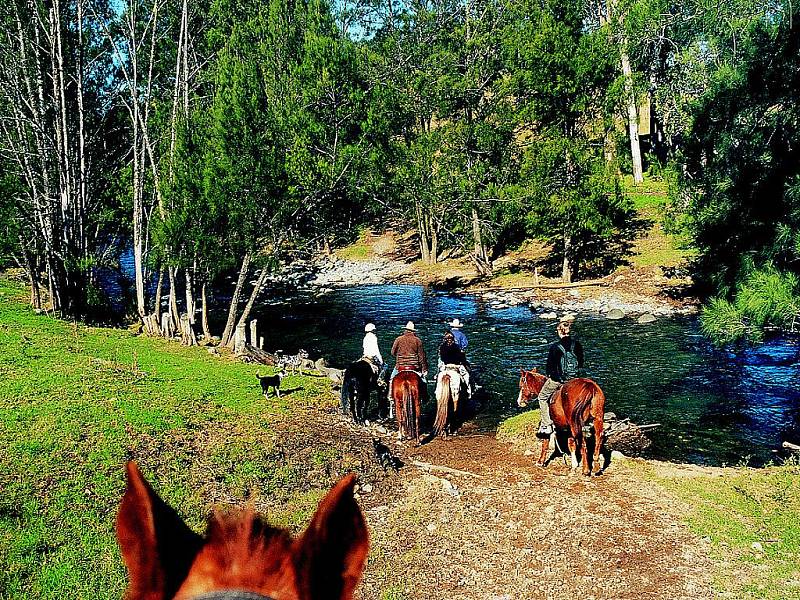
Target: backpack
[[569, 362]]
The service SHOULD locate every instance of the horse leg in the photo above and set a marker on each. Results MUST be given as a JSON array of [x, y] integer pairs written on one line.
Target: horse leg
[[599, 434], [417, 410], [573, 446], [584, 454], [398, 412], [543, 454]]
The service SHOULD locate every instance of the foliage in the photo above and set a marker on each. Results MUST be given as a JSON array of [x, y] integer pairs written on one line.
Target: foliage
[[766, 298], [743, 164]]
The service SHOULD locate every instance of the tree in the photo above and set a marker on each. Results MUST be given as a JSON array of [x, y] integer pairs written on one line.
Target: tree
[[560, 72], [742, 162]]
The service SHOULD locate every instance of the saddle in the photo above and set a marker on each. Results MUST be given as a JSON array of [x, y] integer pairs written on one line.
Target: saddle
[[373, 365]]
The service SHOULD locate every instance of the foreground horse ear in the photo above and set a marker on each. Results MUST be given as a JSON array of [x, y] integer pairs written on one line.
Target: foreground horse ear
[[157, 546], [331, 554]]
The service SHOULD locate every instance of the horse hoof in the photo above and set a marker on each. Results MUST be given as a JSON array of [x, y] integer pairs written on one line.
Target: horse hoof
[[540, 463]]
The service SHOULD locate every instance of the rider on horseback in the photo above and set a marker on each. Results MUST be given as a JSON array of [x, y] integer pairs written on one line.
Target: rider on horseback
[[373, 353], [460, 336], [564, 360], [451, 353], [410, 354]]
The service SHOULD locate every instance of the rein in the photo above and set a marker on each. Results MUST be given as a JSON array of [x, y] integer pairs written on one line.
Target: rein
[[527, 391]]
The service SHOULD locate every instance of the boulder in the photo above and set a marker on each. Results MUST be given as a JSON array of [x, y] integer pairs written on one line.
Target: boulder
[[614, 314], [646, 318]]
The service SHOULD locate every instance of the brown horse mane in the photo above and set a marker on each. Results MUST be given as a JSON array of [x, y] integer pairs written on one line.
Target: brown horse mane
[[166, 560]]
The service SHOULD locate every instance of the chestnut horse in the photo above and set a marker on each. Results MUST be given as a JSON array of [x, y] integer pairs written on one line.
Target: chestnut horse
[[407, 392], [449, 385], [241, 557], [573, 406]]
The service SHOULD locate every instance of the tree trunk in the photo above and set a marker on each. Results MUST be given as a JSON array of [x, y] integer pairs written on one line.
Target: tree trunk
[[633, 117], [173, 301], [253, 295], [204, 319], [566, 272], [424, 248], [33, 275], [190, 308], [233, 309]]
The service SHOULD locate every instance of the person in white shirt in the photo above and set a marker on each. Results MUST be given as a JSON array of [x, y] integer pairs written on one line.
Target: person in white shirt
[[371, 349], [373, 352]]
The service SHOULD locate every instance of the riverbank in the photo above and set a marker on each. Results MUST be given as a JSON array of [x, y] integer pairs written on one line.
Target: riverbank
[[628, 292], [469, 518]]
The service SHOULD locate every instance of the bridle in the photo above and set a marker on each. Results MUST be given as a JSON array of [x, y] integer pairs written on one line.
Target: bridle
[[526, 391]]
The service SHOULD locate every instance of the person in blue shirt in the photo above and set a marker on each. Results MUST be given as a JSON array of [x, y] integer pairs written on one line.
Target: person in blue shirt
[[461, 339]]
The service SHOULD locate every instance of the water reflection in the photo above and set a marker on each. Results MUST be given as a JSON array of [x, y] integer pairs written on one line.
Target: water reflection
[[715, 407]]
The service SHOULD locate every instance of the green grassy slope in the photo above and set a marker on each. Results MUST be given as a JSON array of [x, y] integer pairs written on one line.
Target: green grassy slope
[[77, 402]]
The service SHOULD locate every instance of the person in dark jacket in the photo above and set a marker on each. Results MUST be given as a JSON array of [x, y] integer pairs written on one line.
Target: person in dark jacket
[[451, 353], [564, 362]]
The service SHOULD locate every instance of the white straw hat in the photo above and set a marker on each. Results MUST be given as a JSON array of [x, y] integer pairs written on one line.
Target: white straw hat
[[369, 327], [567, 318], [456, 323], [410, 326]]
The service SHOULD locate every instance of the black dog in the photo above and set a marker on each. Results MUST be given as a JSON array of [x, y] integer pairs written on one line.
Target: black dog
[[385, 457], [271, 381]]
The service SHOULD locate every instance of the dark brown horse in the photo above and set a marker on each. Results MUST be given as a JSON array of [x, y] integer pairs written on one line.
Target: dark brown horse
[[574, 406], [241, 556], [407, 392]]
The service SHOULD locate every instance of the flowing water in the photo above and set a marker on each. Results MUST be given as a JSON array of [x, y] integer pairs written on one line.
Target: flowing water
[[714, 406]]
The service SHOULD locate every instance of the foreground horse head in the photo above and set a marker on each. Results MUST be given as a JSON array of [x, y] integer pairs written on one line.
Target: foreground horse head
[[448, 395], [241, 556], [577, 407], [407, 391]]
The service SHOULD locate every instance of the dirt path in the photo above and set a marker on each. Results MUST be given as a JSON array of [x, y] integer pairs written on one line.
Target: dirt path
[[510, 530], [505, 529]]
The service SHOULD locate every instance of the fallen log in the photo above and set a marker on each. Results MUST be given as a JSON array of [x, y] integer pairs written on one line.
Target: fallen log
[[431, 467], [790, 446], [543, 286], [258, 355], [626, 437]]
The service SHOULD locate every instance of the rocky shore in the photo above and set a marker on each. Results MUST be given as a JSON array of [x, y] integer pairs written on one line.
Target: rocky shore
[[636, 295]]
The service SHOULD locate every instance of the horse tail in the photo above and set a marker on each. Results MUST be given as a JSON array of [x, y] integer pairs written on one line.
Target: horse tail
[[409, 422], [589, 396], [348, 388], [442, 404]]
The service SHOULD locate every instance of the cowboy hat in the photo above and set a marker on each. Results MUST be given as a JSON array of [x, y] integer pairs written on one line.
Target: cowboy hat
[[410, 326], [566, 318], [456, 323], [369, 327]]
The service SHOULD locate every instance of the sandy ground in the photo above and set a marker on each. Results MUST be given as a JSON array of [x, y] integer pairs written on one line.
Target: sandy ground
[[473, 518]]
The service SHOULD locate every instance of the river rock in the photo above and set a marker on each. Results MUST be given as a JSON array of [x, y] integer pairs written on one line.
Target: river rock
[[646, 318], [614, 314], [548, 315]]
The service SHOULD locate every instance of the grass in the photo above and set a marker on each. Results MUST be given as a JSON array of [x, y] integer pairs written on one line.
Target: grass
[[751, 517], [656, 248], [77, 402], [520, 429], [361, 249]]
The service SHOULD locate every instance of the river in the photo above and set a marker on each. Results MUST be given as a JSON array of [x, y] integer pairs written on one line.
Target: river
[[715, 406]]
